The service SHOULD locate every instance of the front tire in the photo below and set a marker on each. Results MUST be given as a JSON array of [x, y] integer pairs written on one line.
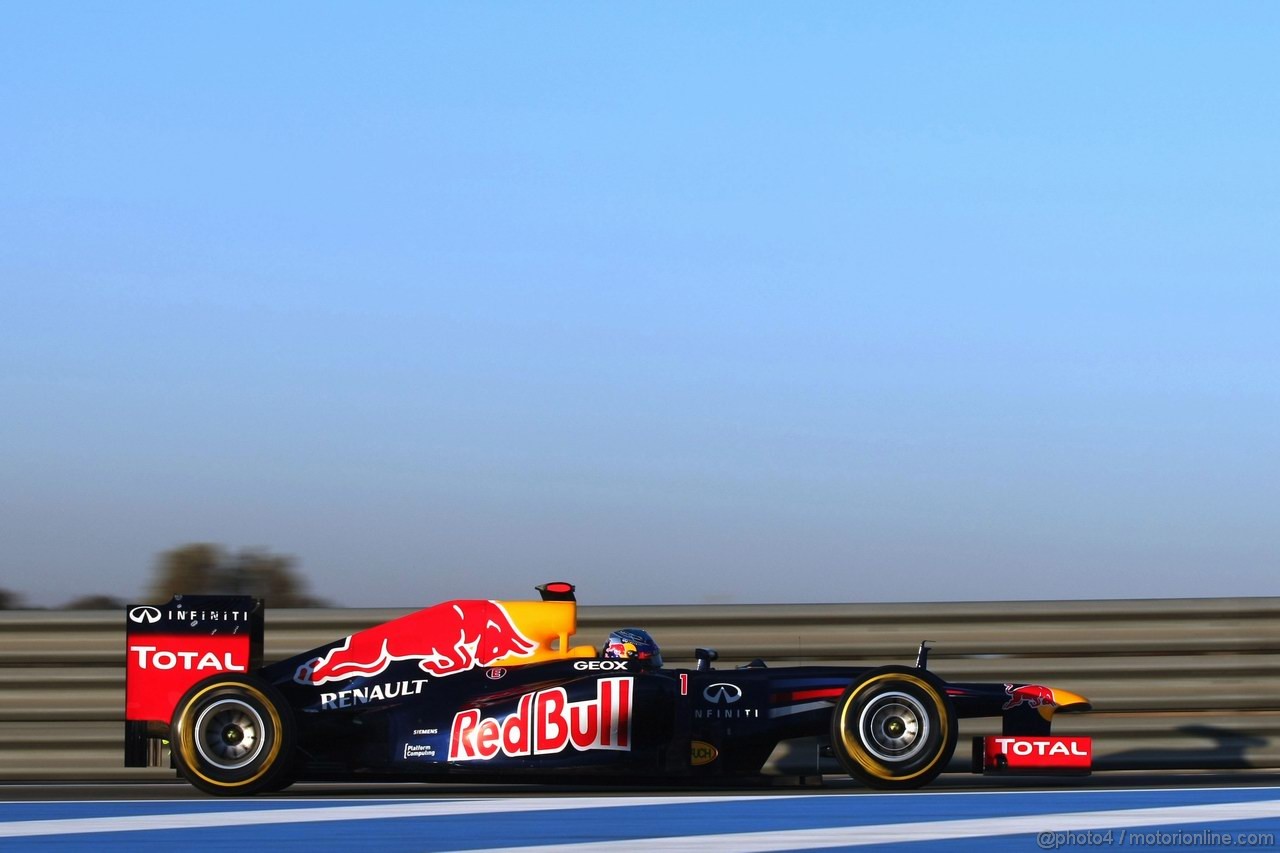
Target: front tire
[[894, 728], [233, 736]]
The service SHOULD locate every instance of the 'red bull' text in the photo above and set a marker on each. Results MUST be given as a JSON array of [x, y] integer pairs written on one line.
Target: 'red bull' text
[[547, 722]]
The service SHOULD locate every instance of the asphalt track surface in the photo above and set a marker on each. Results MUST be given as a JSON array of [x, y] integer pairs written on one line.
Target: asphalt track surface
[[180, 790], [1123, 811]]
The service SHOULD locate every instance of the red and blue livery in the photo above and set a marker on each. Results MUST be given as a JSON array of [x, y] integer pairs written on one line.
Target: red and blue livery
[[487, 690]]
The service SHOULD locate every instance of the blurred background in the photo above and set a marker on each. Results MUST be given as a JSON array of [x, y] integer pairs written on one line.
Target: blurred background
[[713, 303]]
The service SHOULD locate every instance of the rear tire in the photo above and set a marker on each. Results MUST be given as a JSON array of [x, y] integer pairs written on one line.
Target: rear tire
[[233, 736], [894, 728]]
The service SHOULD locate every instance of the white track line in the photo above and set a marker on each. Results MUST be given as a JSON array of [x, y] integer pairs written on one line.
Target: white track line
[[942, 830], [748, 842], [198, 820]]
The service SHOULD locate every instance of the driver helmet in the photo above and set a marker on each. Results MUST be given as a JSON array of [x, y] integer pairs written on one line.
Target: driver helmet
[[633, 644]]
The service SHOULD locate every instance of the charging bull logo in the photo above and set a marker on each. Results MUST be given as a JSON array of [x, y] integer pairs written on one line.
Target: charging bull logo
[[1032, 695], [444, 639]]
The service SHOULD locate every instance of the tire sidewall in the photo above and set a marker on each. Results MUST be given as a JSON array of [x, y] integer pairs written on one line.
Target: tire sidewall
[[274, 756], [848, 737]]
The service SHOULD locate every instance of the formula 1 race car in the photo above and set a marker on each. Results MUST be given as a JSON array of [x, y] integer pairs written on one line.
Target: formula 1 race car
[[495, 691]]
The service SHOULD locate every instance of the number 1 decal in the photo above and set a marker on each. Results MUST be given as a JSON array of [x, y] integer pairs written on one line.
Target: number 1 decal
[[684, 684]]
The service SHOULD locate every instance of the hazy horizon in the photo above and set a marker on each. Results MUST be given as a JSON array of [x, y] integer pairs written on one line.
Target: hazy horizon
[[682, 303]]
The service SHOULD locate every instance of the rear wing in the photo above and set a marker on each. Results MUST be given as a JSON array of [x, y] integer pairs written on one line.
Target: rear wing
[[169, 647]]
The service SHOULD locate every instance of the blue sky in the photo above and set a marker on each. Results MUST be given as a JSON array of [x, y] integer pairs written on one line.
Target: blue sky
[[684, 303]]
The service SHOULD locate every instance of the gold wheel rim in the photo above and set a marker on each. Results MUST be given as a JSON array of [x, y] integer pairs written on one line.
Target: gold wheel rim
[[853, 747], [186, 736]]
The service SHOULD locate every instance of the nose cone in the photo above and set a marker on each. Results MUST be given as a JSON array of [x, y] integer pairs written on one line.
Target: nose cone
[[1065, 700]]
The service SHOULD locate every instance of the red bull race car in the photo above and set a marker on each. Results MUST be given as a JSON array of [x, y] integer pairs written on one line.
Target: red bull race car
[[485, 690]]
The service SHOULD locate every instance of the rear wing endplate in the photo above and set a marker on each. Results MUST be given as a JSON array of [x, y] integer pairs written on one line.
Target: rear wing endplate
[[169, 647]]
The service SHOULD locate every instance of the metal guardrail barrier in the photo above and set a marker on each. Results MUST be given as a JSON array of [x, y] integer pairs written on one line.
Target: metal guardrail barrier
[[1175, 683]]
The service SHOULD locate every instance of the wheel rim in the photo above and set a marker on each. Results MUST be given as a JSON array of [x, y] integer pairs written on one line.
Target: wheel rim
[[229, 734], [894, 727]]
